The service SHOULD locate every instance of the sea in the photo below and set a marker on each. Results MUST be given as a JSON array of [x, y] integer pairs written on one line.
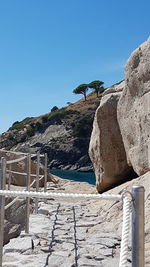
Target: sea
[[88, 177]]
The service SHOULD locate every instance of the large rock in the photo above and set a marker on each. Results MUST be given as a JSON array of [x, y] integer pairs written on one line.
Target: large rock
[[134, 109], [106, 147], [14, 219], [11, 230]]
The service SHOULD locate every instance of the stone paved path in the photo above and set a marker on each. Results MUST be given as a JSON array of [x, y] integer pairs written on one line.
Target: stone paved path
[[64, 235]]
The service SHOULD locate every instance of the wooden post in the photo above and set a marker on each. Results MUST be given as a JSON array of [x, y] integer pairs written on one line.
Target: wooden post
[[45, 174], [2, 205], [37, 180], [9, 177], [28, 171]]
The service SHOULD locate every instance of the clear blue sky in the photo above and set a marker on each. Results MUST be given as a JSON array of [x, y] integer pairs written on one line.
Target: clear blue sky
[[49, 47]]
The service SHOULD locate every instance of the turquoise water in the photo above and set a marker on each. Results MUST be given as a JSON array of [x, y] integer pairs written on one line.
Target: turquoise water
[[88, 177]]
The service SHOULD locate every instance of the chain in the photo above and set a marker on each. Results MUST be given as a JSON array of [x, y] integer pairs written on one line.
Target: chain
[[51, 244], [75, 239]]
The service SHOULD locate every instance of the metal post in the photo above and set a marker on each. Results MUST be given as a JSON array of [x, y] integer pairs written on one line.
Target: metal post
[[9, 177], [28, 167], [2, 205], [45, 173], [138, 251], [37, 181]]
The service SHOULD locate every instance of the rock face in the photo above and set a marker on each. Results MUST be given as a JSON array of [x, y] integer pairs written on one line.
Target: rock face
[[106, 147], [134, 109], [14, 219], [120, 141]]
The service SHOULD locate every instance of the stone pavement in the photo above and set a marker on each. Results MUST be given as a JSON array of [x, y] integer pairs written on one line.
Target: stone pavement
[[64, 233], [59, 236]]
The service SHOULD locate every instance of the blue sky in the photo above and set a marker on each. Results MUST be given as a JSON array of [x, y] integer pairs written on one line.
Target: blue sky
[[49, 47]]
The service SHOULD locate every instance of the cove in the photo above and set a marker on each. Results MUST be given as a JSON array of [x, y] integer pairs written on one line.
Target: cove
[[88, 177]]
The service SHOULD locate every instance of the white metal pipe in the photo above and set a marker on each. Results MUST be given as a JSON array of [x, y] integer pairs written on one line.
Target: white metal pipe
[[138, 250]]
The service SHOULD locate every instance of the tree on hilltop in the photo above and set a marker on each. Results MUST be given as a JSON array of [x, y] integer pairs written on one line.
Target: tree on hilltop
[[97, 86], [54, 109], [81, 89]]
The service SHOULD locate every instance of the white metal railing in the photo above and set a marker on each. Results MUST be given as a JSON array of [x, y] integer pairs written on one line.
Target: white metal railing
[[134, 201]]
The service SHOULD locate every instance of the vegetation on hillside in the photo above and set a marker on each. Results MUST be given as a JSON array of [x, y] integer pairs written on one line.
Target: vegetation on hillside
[[20, 125], [77, 118], [75, 121], [83, 127], [97, 86], [34, 125], [81, 89]]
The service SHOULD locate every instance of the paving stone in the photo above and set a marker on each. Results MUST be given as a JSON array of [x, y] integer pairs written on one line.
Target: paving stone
[[68, 246], [90, 250], [18, 245], [105, 252], [43, 211], [90, 263], [86, 224], [109, 242], [63, 253], [114, 263], [90, 215]]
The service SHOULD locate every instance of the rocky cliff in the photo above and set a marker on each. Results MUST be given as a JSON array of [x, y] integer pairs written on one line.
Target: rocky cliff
[[63, 134], [120, 141]]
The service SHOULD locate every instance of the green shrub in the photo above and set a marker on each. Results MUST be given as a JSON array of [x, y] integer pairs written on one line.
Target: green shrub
[[57, 115], [45, 119], [17, 126], [54, 109], [16, 122], [30, 131], [83, 127], [27, 120], [38, 126], [20, 125]]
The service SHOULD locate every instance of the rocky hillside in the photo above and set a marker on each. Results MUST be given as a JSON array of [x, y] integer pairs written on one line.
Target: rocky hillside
[[63, 134]]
